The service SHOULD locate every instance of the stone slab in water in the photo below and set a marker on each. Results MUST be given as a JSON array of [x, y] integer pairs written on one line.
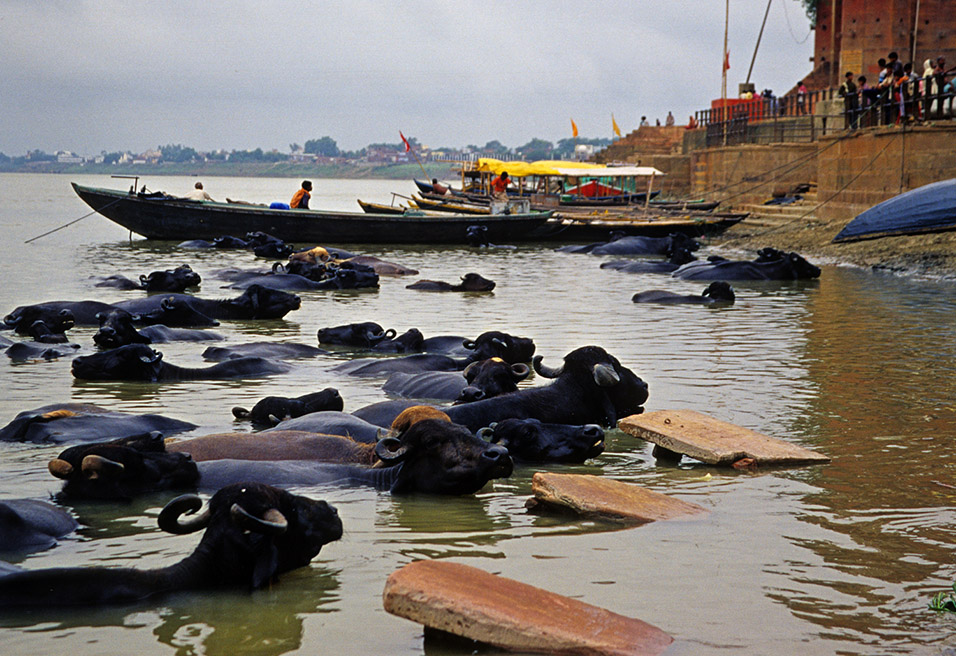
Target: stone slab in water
[[607, 498], [471, 603], [713, 441]]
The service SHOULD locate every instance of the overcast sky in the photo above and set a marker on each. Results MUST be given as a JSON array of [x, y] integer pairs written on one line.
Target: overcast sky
[[95, 75]]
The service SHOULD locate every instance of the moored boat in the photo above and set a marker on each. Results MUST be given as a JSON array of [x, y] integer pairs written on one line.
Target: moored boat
[[159, 216], [930, 208]]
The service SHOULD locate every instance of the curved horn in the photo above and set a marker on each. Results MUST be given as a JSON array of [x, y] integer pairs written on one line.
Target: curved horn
[[153, 358], [543, 370], [143, 279], [272, 522], [167, 303], [240, 413], [604, 375], [468, 368], [278, 266], [520, 371], [94, 465], [169, 519], [60, 468], [488, 432], [469, 344], [500, 342], [390, 450]]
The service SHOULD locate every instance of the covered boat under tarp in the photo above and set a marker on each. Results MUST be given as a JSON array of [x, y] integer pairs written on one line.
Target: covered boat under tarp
[[930, 208]]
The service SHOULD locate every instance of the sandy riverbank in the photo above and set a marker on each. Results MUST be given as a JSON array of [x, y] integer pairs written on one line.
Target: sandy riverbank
[[929, 255]]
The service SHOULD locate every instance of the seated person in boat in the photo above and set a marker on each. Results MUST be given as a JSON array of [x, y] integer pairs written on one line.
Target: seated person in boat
[[198, 193], [300, 200], [438, 187]]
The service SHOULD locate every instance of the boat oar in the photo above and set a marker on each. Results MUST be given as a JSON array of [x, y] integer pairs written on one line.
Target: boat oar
[[67, 225]]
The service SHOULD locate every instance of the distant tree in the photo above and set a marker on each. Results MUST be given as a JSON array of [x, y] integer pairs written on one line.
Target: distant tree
[[177, 153], [325, 146], [810, 6], [38, 156], [4, 159], [111, 158], [536, 149], [494, 147], [294, 147], [216, 155]]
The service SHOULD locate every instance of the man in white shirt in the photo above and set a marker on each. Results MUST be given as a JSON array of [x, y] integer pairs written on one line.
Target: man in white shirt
[[198, 193]]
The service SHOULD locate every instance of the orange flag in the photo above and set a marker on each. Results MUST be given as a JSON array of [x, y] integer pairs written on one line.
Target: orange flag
[[617, 130], [727, 60], [574, 129]]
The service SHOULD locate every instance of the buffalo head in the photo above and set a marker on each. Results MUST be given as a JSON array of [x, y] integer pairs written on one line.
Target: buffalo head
[[130, 362], [366, 334], [491, 377], [531, 440], [494, 344], [117, 329]]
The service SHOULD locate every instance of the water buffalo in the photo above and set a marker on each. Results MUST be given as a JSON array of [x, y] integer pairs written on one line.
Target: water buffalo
[[123, 468], [117, 329], [28, 525], [530, 440], [470, 282], [432, 456], [275, 350], [82, 313], [381, 267], [715, 293], [78, 422], [479, 380], [257, 302], [175, 311], [140, 362], [623, 244], [41, 332], [591, 387], [253, 534], [360, 335], [170, 280], [273, 409], [23, 351], [680, 256], [770, 264], [333, 422]]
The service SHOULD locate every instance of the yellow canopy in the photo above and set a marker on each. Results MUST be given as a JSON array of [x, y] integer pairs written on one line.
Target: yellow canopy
[[517, 169]]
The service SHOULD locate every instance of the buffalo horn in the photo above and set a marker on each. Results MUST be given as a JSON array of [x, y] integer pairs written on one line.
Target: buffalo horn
[[390, 450], [167, 303], [94, 465], [605, 376], [60, 468], [469, 344], [143, 279], [543, 370], [488, 432], [169, 517], [391, 333], [153, 358], [500, 342], [520, 371], [272, 522], [468, 368], [240, 413]]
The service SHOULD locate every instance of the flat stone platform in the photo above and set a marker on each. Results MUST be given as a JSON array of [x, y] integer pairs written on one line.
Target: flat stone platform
[[715, 442], [606, 498], [471, 603]]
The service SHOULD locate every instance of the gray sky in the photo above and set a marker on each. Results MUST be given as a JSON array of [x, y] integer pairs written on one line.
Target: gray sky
[[93, 75]]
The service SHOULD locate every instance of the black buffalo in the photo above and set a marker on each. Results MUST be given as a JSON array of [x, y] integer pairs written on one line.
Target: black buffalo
[[257, 302], [336, 422], [273, 409], [82, 313], [169, 280], [117, 328], [623, 244], [253, 533], [276, 350], [32, 525], [140, 362], [591, 387], [530, 440], [431, 456], [770, 264], [470, 282], [41, 332], [479, 380], [23, 351], [678, 257], [78, 422], [371, 336], [718, 292]]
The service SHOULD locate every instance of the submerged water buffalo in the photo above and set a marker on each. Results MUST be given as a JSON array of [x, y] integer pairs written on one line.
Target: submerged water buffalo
[[479, 380], [253, 533], [169, 280], [273, 409], [770, 264], [23, 351], [78, 422], [679, 257], [81, 313], [530, 440], [276, 350], [117, 328], [470, 282], [591, 387], [140, 362], [28, 525], [336, 422], [257, 302], [623, 244], [718, 292], [432, 456], [371, 336]]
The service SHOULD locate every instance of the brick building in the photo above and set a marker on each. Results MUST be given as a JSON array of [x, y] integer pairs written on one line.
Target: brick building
[[857, 33]]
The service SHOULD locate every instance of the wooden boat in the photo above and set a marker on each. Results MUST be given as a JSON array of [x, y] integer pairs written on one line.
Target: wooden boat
[[381, 208], [452, 206], [158, 216], [930, 208], [584, 227]]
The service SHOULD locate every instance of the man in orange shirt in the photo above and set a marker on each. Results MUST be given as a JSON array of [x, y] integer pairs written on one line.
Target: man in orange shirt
[[300, 201], [499, 186]]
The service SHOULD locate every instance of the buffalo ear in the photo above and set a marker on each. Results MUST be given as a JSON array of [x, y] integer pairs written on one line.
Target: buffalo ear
[[266, 567], [390, 450], [240, 413]]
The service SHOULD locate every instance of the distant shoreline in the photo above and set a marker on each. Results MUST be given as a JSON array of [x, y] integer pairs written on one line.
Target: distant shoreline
[[248, 169]]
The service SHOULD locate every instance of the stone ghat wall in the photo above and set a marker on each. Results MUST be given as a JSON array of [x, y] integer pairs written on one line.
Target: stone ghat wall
[[739, 175]]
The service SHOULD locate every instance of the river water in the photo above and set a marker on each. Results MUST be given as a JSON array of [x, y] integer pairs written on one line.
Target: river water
[[839, 558]]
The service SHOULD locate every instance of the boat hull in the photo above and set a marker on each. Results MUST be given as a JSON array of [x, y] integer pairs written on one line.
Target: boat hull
[[169, 218], [930, 208]]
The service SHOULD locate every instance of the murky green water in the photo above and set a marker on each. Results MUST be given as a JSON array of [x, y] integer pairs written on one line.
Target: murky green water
[[841, 558]]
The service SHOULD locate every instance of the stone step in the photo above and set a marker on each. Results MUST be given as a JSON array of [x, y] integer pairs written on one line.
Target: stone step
[[474, 604], [606, 498], [712, 441], [793, 210]]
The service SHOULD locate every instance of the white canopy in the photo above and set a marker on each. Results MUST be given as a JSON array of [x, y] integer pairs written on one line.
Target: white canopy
[[609, 171]]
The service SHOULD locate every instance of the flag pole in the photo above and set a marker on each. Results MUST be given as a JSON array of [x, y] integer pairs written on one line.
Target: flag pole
[[409, 149], [723, 69]]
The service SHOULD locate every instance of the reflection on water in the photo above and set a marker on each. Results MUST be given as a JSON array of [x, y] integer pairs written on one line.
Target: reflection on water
[[835, 558]]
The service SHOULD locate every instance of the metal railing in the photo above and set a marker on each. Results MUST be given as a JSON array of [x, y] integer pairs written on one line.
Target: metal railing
[[774, 120]]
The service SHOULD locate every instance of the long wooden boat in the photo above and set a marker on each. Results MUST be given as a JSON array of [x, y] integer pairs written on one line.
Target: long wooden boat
[[158, 216], [577, 227], [930, 208]]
